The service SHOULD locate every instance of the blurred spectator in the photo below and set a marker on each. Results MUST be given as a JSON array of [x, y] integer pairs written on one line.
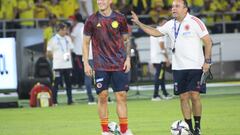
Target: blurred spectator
[[41, 9], [55, 8], [59, 50], [125, 7], [2, 16], [208, 16], [10, 12], [95, 7], [141, 6], [70, 7], [159, 59], [158, 11], [77, 37], [2, 11], [83, 7], [50, 30], [26, 11], [168, 3], [196, 5]]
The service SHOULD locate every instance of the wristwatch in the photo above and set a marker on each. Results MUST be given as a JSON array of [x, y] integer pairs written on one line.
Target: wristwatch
[[208, 61]]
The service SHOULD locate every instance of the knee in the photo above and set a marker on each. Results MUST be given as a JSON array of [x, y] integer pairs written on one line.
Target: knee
[[121, 96], [195, 97], [184, 97], [103, 98]]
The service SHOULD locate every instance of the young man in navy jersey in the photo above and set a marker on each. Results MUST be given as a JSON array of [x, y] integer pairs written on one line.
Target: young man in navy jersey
[[108, 32]]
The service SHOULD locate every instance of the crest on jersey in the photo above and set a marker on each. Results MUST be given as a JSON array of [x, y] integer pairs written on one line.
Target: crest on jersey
[[187, 27], [115, 24], [99, 85]]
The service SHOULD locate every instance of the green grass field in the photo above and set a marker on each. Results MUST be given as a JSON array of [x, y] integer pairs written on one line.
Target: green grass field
[[221, 116]]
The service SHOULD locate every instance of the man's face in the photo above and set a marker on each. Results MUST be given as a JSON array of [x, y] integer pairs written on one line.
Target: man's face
[[103, 4], [178, 8], [63, 31]]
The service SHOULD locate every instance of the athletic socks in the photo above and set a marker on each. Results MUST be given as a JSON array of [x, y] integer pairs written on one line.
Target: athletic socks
[[189, 122], [123, 122], [197, 120], [104, 124]]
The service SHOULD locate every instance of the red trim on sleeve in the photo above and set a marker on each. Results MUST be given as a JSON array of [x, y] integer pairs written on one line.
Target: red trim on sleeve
[[199, 23]]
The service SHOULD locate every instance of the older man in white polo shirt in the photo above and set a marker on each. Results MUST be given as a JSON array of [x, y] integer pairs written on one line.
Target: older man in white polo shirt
[[188, 61]]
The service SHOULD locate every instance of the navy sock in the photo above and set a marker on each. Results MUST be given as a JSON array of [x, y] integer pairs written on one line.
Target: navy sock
[[197, 120], [189, 122]]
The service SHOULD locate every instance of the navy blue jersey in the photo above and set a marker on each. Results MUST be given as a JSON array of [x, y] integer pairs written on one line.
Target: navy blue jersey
[[106, 34]]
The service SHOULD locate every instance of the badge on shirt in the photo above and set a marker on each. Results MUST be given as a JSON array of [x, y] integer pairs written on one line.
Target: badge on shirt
[[115, 24], [187, 27]]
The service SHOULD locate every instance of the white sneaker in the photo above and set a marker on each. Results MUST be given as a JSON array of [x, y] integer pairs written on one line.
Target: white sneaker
[[156, 99], [167, 97], [54, 105], [92, 103], [128, 132], [106, 133]]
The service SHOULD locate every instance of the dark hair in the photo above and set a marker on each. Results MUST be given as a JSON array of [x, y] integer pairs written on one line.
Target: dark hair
[[52, 16], [61, 26], [78, 17], [185, 3]]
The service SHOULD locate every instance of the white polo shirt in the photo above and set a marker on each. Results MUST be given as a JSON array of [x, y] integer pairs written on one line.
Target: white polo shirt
[[77, 33], [59, 46], [156, 55], [188, 47]]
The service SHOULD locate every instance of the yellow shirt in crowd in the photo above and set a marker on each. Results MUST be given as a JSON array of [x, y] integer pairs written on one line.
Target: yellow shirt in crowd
[[29, 14], [9, 5], [41, 12], [69, 7], [56, 9], [2, 12]]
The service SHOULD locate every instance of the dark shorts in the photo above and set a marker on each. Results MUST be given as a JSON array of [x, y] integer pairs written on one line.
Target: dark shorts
[[118, 79], [188, 80]]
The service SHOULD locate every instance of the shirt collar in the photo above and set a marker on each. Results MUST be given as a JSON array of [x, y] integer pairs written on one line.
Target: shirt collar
[[187, 17], [58, 36]]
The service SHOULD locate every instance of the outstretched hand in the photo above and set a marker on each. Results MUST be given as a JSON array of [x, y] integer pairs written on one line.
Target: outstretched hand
[[134, 17]]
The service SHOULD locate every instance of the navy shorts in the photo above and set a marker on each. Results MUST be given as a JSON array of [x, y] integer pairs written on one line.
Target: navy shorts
[[118, 80], [188, 80]]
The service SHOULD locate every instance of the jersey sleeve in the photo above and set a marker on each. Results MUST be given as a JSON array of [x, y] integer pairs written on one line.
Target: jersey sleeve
[[123, 26], [160, 39], [165, 28], [71, 45], [88, 28], [200, 27]]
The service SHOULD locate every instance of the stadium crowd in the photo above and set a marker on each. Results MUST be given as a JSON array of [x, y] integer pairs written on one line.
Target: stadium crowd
[[212, 12]]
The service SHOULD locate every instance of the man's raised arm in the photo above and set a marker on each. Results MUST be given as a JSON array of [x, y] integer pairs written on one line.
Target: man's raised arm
[[149, 30]]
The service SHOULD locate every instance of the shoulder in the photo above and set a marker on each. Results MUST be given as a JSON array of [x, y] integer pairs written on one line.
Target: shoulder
[[68, 38], [79, 26], [169, 23], [119, 16], [195, 19], [92, 20], [92, 17], [197, 22]]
